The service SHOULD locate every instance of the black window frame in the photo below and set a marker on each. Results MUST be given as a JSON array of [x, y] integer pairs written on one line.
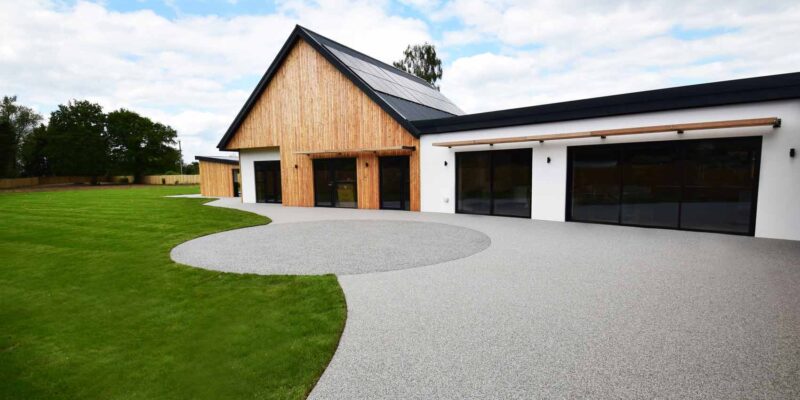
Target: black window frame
[[681, 144], [405, 201], [492, 154], [277, 185], [331, 172]]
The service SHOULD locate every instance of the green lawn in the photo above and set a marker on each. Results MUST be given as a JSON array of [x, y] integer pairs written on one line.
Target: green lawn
[[91, 306]]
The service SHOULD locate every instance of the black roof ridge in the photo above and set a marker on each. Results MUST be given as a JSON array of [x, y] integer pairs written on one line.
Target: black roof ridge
[[298, 33], [391, 67], [735, 91]]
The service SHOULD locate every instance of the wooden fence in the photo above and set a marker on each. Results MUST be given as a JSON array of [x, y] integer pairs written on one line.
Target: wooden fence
[[171, 179], [63, 180]]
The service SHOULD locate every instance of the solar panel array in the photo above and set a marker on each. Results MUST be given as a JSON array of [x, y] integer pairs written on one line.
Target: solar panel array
[[394, 84]]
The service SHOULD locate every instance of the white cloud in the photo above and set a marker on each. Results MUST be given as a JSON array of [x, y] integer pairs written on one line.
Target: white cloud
[[600, 48], [195, 72]]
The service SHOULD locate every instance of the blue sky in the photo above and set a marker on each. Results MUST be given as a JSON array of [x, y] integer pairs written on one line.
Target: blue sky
[[192, 64]]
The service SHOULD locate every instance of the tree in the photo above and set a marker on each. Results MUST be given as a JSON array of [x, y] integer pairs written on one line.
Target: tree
[[139, 146], [33, 153], [192, 168], [77, 143], [422, 61], [16, 122]]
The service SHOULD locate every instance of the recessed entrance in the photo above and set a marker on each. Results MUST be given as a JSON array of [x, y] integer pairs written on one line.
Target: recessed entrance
[[394, 183], [335, 182], [704, 185], [268, 181], [494, 182], [236, 182]]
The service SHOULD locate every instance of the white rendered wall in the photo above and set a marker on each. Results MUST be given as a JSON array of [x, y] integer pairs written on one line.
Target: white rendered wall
[[778, 210], [248, 176]]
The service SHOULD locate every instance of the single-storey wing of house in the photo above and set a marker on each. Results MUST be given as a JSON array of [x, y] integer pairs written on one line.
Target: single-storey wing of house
[[219, 176], [328, 126]]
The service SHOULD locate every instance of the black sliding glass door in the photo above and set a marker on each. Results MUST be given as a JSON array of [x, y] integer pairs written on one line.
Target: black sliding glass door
[[707, 185], [394, 183], [494, 182], [268, 181], [335, 182]]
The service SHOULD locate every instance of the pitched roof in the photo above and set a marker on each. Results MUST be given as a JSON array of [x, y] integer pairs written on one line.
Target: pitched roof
[[403, 96], [749, 90], [219, 159]]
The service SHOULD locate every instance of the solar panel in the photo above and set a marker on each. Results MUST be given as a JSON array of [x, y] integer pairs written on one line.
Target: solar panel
[[387, 81]]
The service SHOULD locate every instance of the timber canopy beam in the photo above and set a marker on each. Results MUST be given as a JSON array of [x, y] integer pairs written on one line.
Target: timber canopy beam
[[375, 150], [679, 128]]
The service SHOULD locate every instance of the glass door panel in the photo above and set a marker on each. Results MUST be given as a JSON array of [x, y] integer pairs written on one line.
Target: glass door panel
[[473, 182], [394, 183], [268, 181], [511, 183], [335, 182], [651, 191], [595, 184], [720, 185]]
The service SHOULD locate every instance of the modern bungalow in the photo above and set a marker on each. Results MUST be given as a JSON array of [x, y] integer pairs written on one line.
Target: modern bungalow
[[328, 126]]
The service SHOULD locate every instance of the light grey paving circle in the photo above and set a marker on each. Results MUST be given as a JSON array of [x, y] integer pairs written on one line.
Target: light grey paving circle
[[338, 247]]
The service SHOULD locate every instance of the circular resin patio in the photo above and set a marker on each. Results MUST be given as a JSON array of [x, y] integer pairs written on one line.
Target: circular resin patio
[[339, 247]]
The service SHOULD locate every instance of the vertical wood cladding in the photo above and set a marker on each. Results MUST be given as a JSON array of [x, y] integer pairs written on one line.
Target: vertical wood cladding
[[216, 179], [310, 105]]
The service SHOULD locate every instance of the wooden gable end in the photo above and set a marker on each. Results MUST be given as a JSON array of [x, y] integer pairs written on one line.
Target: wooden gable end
[[310, 105]]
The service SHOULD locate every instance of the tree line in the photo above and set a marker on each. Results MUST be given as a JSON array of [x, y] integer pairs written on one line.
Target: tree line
[[82, 140]]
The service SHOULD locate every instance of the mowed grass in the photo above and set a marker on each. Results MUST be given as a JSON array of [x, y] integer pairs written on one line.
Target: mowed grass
[[92, 307]]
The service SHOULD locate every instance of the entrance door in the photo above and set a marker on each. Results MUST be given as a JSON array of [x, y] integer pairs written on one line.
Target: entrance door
[[236, 183], [268, 181], [335, 182], [394, 183], [494, 182], [705, 185]]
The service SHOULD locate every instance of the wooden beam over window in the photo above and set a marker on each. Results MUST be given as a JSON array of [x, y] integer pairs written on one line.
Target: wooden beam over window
[[679, 128], [370, 150]]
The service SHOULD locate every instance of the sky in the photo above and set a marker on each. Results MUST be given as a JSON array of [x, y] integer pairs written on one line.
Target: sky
[[191, 64]]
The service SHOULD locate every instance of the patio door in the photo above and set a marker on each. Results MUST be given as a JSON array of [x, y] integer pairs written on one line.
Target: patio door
[[703, 185], [394, 183], [268, 181], [494, 182], [335, 182]]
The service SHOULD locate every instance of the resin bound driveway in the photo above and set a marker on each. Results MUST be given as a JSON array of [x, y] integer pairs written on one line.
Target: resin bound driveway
[[514, 308]]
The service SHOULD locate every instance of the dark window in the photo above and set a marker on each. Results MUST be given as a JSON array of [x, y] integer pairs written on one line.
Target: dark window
[[595, 184], [474, 179], [707, 185], [335, 182], [268, 181], [236, 182], [719, 185], [394, 183], [494, 182], [651, 191]]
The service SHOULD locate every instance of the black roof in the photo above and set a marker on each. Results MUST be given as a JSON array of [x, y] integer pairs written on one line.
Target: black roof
[[219, 159], [402, 95], [749, 90]]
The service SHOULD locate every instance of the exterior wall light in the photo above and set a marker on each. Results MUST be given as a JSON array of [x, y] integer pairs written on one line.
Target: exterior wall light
[[791, 152], [548, 160], [445, 163]]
